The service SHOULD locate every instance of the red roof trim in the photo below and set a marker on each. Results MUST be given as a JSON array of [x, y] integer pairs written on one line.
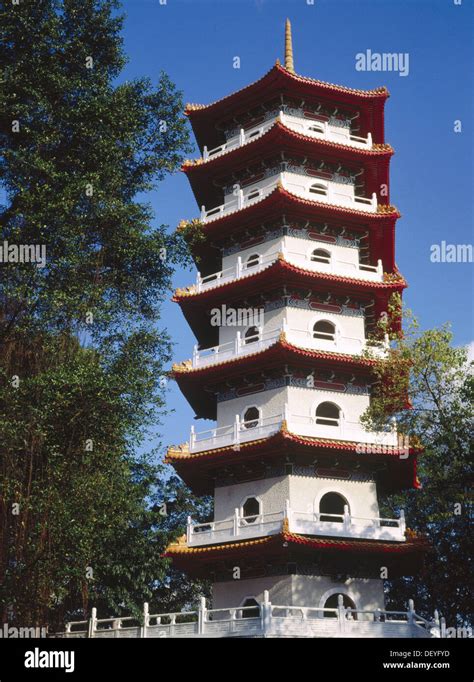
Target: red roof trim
[[198, 469], [277, 345], [376, 546], [412, 545], [285, 265], [240, 214], [278, 130], [347, 446], [356, 95]]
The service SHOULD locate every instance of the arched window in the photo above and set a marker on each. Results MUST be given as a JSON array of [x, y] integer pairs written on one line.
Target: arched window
[[251, 509], [251, 335], [332, 503], [324, 330], [319, 188], [328, 414], [321, 256], [252, 260], [253, 612], [332, 603], [251, 417]]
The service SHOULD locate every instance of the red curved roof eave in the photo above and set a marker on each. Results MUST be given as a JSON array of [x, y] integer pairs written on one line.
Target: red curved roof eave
[[356, 284], [192, 381], [280, 272], [199, 469], [201, 175], [371, 103], [346, 544], [280, 344], [317, 207], [279, 132], [281, 201]]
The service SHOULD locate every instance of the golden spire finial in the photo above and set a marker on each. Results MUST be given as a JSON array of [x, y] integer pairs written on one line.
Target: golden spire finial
[[289, 66]]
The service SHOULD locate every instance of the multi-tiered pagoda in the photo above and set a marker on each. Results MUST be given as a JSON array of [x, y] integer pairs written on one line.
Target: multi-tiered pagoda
[[296, 261]]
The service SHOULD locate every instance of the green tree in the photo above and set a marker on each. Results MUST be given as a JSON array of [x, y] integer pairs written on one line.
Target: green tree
[[76, 149], [81, 353], [82, 519], [439, 382]]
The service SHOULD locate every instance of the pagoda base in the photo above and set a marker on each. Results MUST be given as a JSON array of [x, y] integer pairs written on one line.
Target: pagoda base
[[363, 594], [268, 620]]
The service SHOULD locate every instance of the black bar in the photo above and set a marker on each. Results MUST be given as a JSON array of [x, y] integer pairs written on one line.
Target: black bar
[[96, 659]]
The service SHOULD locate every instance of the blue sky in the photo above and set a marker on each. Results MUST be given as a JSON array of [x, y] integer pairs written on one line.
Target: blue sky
[[195, 42]]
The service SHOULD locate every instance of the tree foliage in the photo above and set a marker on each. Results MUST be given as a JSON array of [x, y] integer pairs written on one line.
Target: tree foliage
[[85, 148], [82, 354], [440, 386]]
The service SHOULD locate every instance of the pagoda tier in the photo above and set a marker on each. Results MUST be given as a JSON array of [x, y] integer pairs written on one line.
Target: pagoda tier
[[286, 553], [299, 155], [201, 384], [392, 467], [238, 287], [283, 211], [209, 122]]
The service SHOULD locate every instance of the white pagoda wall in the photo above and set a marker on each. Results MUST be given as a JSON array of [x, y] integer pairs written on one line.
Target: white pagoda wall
[[301, 401], [361, 495], [300, 184], [297, 590], [295, 246], [338, 192], [270, 403], [272, 493], [303, 492], [272, 321], [264, 249], [347, 326]]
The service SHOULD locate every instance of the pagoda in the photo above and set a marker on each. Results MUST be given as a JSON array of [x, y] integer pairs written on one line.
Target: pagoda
[[296, 267]]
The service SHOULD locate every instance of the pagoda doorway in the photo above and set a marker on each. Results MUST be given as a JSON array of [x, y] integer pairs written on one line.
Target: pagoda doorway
[[332, 603], [331, 507], [251, 612]]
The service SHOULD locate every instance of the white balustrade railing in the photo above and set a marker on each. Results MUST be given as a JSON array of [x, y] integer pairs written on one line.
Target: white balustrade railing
[[233, 434], [262, 620], [239, 140], [242, 199], [339, 429], [304, 338], [241, 345], [310, 128], [304, 523], [336, 343], [335, 266], [302, 425], [346, 525], [324, 130], [253, 193], [236, 527]]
